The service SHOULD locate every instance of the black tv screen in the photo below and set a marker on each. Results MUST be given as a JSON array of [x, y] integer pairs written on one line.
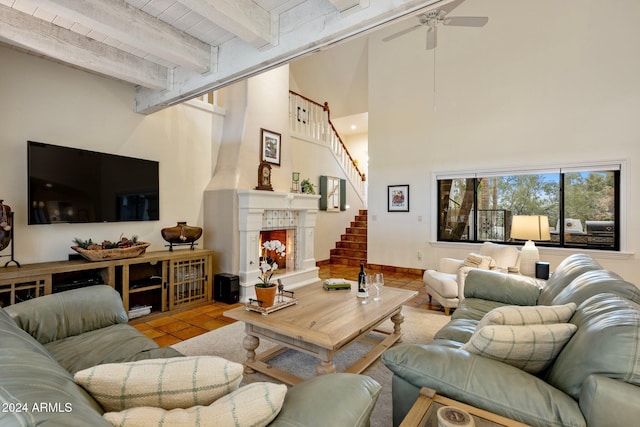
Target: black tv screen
[[69, 185]]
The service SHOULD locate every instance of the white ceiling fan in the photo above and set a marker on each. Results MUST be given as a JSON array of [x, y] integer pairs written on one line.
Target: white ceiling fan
[[432, 18]]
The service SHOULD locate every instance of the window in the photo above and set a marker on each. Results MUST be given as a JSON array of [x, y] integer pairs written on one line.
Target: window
[[582, 204]]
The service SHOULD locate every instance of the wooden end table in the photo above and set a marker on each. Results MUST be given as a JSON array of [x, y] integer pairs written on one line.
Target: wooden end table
[[321, 324], [424, 412]]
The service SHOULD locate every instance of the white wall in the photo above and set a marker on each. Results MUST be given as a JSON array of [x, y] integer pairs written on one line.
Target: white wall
[[543, 83], [337, 75], [358, 146], [44, 101]]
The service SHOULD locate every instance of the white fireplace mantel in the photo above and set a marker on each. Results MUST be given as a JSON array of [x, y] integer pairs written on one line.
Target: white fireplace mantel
[[252, 205]]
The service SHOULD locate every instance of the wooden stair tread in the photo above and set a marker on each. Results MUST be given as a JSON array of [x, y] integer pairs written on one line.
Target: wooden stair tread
[[351, 250]]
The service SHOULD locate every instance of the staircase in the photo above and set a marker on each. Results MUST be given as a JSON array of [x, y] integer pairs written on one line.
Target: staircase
[[351, 250]]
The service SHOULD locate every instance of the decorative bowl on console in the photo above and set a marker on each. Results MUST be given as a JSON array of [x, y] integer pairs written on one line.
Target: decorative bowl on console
[[181, 234], [107, 250]]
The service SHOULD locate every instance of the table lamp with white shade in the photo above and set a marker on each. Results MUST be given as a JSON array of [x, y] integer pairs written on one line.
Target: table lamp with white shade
[[530, 228]]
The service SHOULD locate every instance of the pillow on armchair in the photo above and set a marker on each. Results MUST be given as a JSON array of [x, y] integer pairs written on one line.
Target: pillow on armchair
[[505, 256], [479, 261]]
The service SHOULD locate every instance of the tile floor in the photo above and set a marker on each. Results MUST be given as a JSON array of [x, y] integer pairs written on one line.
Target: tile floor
[[171, 329]]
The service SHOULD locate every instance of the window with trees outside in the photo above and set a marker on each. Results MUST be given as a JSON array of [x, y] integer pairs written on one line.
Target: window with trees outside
[[582, 204]]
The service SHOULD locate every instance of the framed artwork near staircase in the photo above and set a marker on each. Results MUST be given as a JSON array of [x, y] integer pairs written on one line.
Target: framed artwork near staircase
[[270, 147], [398, 198]]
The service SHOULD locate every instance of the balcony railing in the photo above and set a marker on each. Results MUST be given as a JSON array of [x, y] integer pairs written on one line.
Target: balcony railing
[[311, 120]]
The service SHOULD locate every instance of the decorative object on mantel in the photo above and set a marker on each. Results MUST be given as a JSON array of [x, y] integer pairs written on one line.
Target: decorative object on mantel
[[265, 288], [264, 177], [270, 147], [6, 231], [295, 182], [107, 250], [307, 186], [181, 234]]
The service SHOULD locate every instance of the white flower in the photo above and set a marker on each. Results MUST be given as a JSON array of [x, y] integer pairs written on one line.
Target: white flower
[[267, 269], [274, 245], [264, 267]]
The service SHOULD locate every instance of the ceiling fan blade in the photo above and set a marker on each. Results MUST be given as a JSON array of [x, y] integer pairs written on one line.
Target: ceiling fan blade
[[401, 33], [451, 5], [466, 21], [432, 38]]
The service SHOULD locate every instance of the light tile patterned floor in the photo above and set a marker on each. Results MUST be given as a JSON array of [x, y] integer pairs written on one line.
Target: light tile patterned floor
[[171, 329]]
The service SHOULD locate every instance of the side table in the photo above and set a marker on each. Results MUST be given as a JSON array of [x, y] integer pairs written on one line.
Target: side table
[[423, 412]]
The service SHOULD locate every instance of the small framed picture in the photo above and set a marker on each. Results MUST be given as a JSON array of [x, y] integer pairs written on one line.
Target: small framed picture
[[398, 198], [270, 147]]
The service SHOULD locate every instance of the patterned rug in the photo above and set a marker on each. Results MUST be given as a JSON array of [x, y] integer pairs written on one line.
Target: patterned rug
[[419, 327]]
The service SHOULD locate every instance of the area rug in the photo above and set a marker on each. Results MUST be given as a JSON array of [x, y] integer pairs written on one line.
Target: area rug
[[419, 327]]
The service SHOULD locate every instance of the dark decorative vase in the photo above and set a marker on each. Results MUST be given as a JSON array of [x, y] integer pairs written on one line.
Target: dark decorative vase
[[181, 234], [5, 225]]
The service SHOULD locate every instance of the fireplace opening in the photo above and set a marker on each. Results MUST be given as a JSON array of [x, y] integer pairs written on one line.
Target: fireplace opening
[[287, 237]]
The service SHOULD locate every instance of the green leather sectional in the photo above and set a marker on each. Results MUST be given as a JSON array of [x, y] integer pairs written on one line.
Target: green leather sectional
[[593, 381], [44, 341]]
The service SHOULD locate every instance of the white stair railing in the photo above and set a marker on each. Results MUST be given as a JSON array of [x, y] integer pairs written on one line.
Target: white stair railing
[[311, 120]]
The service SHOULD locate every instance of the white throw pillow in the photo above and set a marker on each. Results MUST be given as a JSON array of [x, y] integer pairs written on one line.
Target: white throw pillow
[[479, 261], [177, 382], [531, 348], [255, 404], [517, 315], [504, 255]]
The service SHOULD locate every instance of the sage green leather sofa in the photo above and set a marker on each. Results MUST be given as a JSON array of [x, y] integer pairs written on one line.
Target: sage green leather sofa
[[44, 341], [592, 382]]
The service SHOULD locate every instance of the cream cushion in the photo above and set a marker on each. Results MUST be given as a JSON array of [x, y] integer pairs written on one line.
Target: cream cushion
[[505, 256], [479, 261], [178, 382], [531, 348], [255, 404], [528, 315]]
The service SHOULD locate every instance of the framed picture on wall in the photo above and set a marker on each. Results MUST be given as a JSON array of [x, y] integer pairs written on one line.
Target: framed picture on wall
[[398, 198], [270, 147]]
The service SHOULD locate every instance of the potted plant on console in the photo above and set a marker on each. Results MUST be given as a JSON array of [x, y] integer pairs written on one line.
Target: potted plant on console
[[265, 289]]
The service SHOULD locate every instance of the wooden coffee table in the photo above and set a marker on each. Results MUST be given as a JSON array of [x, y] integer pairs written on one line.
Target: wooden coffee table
[[321, 324]]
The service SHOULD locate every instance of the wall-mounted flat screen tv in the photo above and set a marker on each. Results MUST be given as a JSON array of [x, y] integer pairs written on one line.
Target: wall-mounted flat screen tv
[[70, 185]]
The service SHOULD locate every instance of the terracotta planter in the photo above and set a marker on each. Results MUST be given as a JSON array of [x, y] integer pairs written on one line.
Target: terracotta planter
[[266, 295]]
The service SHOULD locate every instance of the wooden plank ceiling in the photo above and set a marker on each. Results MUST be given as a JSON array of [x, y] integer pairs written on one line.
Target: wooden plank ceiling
[[174, 50]]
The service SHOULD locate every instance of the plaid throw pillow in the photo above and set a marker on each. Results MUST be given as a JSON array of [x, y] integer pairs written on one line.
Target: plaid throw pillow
[[177, 382], [531, 348], [517, 315], [255, 404]]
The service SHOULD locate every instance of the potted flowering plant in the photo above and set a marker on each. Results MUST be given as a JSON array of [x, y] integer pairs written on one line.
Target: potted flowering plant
[[265, 289]]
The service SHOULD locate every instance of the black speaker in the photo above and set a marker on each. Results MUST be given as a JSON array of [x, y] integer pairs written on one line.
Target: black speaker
[[542, 270], [226, 288]]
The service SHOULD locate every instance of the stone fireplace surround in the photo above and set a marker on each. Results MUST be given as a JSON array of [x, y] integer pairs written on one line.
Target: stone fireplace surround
[[264, 210]]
